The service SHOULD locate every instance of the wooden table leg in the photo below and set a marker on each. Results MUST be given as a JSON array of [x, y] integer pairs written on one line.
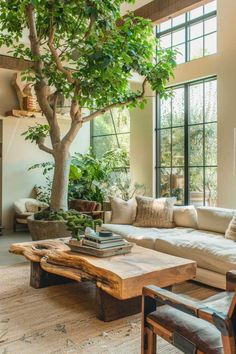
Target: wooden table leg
[[39, 278], [109, 308]]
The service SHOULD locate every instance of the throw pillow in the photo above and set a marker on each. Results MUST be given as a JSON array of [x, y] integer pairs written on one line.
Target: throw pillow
[[32, 206], [123, 212], [154, 212], [185, 216], [231, 231]]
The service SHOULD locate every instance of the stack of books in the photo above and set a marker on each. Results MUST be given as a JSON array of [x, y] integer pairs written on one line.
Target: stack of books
[[103, 241]]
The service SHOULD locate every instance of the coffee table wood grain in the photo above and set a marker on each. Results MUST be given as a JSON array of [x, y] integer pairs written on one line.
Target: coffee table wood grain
[[119, 279]]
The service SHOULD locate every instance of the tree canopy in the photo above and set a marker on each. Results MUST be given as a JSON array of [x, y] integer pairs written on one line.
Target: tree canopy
[[87, 51]]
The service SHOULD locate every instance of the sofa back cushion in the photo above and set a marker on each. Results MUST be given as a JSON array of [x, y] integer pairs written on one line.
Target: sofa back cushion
[[123, 212], [154, 212], [185, 216], [214, 219]]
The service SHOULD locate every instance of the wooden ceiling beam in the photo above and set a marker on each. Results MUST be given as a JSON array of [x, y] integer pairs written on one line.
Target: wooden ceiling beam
[[161, 10], [11, 63]]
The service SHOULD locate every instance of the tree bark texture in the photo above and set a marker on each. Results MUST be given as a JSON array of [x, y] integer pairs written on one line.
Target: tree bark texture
[[59, 194]]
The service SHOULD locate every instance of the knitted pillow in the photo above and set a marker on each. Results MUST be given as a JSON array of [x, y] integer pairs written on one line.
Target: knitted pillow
[[230, 233], [154, 212]]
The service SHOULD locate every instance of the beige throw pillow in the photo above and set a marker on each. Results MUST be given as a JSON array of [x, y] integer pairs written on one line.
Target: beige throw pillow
[[185, 216], [231, 231], [123, 212], [154, 212]]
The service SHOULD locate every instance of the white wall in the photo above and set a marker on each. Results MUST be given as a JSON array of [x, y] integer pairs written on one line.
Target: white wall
[[223, 66], [19, 155]]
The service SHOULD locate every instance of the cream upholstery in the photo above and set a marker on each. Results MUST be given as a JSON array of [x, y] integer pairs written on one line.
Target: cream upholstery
[[214, 254], [214, 219]]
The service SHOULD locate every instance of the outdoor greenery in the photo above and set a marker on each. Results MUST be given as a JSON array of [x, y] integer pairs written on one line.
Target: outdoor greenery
[[202, 142], [110, 131], [86, 52], [93, 178]]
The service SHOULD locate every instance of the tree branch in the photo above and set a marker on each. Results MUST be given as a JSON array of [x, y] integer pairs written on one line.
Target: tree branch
[[44, 147], [41, 87], [116, 105], [56, 57]]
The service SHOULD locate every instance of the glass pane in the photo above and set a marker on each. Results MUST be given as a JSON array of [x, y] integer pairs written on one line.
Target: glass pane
[[211, 44], [196, 145], [165, 25], [121, 120], [165, 146], [178, 37], [196, 48], [177, 147], [196, 195], [210, 101], [196, 30], [103, 125], [180, 57], [124, 141], [103, 144], [166, 41], [211, 186], [196, 103], [165, 182], [177, 185], [196, 13], [178, 20], [165, 113], [178, 107], [210, 25], [210, 7], [211, 144]]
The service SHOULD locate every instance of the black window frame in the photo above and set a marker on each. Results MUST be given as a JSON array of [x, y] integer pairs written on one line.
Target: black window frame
[[186, 26], [186, 127]]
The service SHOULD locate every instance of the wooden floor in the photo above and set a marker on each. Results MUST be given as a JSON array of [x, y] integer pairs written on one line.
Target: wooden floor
[[61, 319]]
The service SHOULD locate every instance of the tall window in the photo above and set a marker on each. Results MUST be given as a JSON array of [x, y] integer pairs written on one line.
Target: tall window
[[110, 131], [193, 34], [187, 143]]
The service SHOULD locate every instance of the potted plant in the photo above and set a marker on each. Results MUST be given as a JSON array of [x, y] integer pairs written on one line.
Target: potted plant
[[86, 52]]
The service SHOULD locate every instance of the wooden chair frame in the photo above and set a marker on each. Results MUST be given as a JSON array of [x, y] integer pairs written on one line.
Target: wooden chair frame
[[224, 322]]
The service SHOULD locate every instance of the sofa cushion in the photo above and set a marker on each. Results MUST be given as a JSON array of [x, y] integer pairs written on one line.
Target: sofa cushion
[[214, 219], [144, 237], [123, 212], [185, 216], [20, 205], [210, 250], [154, 212]]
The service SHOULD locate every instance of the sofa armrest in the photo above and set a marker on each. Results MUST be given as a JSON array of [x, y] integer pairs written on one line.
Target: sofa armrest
[[107, 217], [231, 280]]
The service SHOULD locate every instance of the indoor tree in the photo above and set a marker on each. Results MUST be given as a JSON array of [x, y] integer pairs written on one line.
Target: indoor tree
[[86, 52]]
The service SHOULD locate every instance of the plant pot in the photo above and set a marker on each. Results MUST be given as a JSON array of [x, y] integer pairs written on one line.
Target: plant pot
[[43, 230]]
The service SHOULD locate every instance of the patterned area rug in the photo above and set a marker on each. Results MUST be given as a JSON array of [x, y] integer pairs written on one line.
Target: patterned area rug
[[61, 319]]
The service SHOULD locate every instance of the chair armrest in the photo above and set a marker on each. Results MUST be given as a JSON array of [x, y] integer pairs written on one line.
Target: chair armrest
[[181, 303], [231, 280], [165, 297]]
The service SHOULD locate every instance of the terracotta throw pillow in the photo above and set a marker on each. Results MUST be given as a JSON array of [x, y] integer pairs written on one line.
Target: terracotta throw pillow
[[230, 233], [123, 212], [154, 212]]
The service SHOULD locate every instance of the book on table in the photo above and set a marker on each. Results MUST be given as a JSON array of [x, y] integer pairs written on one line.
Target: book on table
[[105, 244]]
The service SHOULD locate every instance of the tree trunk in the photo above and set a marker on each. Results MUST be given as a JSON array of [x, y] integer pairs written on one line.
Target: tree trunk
[[59, 195]]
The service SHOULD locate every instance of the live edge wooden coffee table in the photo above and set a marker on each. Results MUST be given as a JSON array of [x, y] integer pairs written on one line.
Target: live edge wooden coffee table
[[119, 279]]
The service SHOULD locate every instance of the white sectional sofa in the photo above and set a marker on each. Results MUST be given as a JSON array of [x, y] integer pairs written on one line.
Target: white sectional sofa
[[199, 235]]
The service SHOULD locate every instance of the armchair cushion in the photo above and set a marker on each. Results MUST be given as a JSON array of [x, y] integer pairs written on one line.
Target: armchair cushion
[[206, 337], [83, 205]]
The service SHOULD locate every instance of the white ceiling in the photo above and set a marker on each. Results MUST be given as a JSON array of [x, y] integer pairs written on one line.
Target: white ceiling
[[138, 3]]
